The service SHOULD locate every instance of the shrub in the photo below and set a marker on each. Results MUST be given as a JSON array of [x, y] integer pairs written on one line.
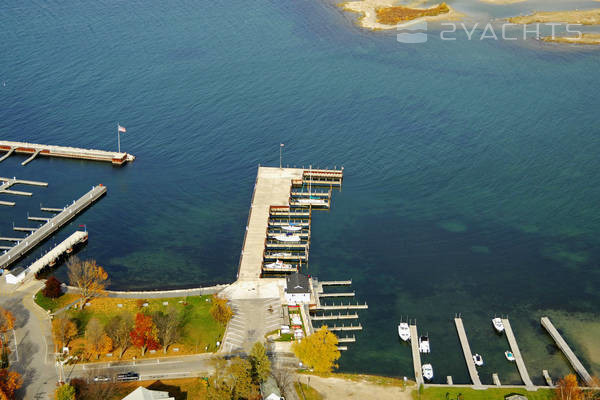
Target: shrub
[[52, 289]]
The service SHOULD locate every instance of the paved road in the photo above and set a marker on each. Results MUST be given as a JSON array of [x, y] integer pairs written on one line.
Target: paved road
[[39, 376]]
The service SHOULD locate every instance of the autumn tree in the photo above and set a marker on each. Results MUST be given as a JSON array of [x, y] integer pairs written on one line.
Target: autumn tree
[[567, 388], [261, 366], [63, 330], [52, 288], [118, 329], [89, 278], [239, 379], [97, 341], [285, 380], [7, 323], [64, 392], [220, 310], [318, 351], [10, 382], [143, 334], [168, 327]]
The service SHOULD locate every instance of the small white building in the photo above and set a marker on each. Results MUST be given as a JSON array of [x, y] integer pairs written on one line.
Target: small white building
[[141, 393], [297, 290], [15, 276]]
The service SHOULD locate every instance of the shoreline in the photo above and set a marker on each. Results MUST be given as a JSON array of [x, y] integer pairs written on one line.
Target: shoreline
[[368, 14], [583, 17], [590, 39]]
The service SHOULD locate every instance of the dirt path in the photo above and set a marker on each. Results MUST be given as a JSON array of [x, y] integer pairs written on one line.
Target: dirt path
[[339, 388]]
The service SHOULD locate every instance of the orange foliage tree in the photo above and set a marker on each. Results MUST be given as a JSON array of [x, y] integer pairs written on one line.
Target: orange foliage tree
[[10, 382], [143, 334], [63, 330], [567, 388], [97, 341], [7, 322], [89, 278]]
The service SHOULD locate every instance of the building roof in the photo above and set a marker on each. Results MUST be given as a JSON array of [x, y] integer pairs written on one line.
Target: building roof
[[269, 388], [297, 283], [141, 393]]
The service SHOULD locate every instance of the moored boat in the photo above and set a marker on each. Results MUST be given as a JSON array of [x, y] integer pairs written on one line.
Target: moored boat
[[498, 325], [427, 371], [404, 331], [288, 237], [278, 265], [424, 344], [478, 360], [291, 228], [509, 355]]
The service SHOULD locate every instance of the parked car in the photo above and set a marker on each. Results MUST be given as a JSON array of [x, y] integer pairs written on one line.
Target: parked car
[[101, 378], [128, 376]]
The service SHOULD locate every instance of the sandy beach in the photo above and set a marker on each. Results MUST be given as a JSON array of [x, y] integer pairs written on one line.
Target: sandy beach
[[586, 38], [584, 17], [368, 10]]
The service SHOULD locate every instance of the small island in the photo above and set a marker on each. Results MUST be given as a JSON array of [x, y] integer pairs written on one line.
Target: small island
[[584, 17], [586, 38], [386, 14]]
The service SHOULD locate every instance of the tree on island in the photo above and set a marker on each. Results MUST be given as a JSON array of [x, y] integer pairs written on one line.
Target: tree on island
[[220, 310], [261, 366], [63, 330], [168, 327], [319, 350], [52, 289], [10, 382], [118, 329], [97, 341], [143, 334], [88, 277]]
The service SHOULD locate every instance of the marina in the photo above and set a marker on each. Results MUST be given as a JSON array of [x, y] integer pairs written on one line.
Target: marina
[[26, 244], [416, 354], [569, 354], [9, 182], [116, 158]]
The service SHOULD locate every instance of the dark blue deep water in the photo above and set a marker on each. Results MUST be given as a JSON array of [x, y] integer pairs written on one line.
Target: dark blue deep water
[[471, 179]]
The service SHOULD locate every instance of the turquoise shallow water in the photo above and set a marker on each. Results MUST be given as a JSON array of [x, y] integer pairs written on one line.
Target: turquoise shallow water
[[471, 167]]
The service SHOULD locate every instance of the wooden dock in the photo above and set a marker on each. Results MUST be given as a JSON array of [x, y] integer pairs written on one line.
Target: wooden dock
[[416, 355], [569, 354], [60, 249], [464, 342], [34, 150], [334, 307], [336, 283], [514, 348], [547, 378], [496, 379], [55, 223], [333, 317], [347, 294]]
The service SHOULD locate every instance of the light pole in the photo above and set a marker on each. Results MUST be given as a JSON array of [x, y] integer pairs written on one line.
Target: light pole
[[280, 155]]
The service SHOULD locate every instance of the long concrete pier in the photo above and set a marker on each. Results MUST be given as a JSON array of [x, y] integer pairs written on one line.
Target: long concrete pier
[[564, 347], [464, 342], [34, 149], [55, 223], [65, 246], [416, 355], [514, 348]]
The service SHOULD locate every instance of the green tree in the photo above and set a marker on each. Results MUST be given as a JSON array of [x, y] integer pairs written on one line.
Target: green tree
[[168, 327], [318, 351], [118, 329], [261, 366], [65, 392]]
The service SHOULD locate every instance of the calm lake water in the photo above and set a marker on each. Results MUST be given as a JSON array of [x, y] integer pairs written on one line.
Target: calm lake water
[[471, 167]]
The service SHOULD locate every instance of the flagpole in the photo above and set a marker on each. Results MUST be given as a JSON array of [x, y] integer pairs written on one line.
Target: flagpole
[[118, 137]]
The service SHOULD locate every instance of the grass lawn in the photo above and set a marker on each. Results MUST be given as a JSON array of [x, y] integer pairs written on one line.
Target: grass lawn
[[200, 331], [306, 392], [180, 389], [439, 393], [374, 379], [54, 304]]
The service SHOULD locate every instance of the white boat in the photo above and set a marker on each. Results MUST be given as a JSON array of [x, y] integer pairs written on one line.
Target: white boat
[[498, 325], [312, 201], [427, 371], [288, 237], [291, 228], [424, 344], [404, 331], [509, 355], [478, 360], [280, 255], [277, 265]]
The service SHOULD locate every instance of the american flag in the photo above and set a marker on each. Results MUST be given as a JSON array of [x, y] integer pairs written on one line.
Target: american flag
[[122, 129]]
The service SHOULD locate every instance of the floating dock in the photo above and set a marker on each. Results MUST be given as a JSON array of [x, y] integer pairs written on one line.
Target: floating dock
[[335, 307], [55, 223], [564, 347], [9, 182], [464, 342], [514, 348], [333, 317], [66, 246], [113, 157], [416, 355]]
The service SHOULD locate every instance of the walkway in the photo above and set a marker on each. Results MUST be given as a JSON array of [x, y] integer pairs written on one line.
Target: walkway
[[514, 348], [467, 353]]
